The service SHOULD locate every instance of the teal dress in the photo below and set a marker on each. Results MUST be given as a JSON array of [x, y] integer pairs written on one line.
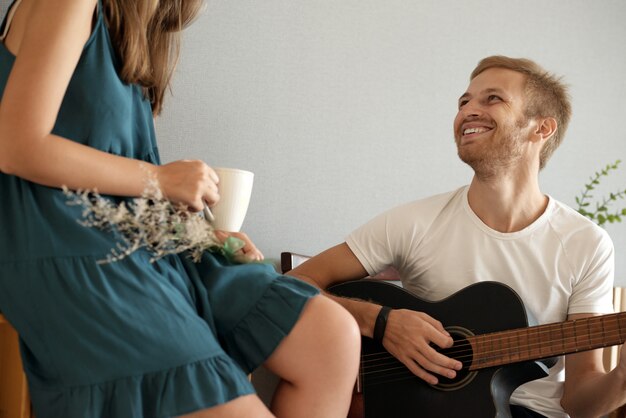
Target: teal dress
[[129, 338]]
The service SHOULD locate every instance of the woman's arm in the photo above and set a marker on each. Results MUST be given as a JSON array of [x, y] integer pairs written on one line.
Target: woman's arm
[[47, 51]]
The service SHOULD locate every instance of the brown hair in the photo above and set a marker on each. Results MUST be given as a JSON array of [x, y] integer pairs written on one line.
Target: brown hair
[[547, 96], [146, 37]]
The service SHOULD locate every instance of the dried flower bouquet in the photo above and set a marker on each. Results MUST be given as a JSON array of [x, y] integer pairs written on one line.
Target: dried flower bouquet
[[152, 222]]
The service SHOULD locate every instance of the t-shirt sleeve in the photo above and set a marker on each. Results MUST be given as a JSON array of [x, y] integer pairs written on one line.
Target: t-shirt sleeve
[[393, 237], [592, 292], [370, 245]]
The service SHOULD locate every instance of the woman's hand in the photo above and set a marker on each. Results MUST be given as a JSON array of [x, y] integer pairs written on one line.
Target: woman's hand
[[249, 252], [190, 182], [193, 182]]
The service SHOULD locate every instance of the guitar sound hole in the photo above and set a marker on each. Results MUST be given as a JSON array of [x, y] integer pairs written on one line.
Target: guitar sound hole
[[462, 351]]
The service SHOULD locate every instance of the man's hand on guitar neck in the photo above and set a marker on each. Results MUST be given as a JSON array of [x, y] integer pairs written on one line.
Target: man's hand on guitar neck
[[410, 335]]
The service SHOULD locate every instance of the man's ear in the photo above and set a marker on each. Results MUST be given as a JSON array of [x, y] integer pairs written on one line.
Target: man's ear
[[546, 127]]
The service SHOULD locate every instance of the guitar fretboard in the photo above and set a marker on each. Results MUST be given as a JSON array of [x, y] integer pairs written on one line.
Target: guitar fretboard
[[546, 341]]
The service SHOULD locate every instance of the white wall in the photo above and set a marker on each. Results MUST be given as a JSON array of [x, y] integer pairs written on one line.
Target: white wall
[[344, 108]]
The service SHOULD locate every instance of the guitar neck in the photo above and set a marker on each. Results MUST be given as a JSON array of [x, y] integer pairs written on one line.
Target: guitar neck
[[544, 341]]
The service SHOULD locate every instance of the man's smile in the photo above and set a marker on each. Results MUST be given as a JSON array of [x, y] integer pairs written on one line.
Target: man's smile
[[471, 131]]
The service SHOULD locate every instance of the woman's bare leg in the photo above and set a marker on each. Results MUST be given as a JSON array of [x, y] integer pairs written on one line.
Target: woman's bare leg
[[318, 363], [243, 407]]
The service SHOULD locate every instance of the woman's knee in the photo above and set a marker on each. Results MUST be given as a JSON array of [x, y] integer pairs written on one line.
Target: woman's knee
[[339, 324], [324, 341]]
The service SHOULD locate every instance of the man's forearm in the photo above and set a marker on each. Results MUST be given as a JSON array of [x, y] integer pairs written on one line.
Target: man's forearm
[[364, 312], [596, 395]]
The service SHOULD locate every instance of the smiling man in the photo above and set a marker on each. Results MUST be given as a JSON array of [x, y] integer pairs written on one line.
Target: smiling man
[[501, 228]]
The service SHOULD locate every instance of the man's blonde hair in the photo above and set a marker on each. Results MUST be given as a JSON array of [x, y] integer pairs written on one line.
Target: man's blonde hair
[[546, 96]]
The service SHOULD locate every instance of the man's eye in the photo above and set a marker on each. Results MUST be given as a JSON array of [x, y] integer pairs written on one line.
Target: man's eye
[[462, 103], [493, 97]]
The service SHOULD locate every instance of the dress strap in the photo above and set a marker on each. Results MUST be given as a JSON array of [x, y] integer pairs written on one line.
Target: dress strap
[[13, 8], [8, 20]]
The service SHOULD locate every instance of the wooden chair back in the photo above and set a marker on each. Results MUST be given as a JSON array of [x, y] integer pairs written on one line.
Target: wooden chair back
[[289, 261]]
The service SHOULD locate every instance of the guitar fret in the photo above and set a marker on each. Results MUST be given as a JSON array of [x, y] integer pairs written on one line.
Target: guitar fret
[[481, 349], [501, 347], [557, 334], [526, 344], [604, 331], [515, 353], [596, 338], [506, 343], [591, 334], [482, 356], [535, 344], [581, 335]]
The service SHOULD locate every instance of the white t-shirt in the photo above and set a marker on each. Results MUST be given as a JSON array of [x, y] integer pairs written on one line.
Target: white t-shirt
[[560, 264]]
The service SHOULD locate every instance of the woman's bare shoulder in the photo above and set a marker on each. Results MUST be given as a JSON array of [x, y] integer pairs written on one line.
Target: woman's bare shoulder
[[33, 16]]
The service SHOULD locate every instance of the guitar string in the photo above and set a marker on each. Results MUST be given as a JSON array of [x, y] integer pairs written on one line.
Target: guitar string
[[398, 374], [463, 354], [548, 329], [393, 379], [487, 355], [399, 371], [372, 370]]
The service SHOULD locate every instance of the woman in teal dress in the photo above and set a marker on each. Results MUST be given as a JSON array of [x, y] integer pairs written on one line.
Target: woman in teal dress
[[80, 83]]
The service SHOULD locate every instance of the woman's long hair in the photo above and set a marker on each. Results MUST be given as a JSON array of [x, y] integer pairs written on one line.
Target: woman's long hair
[[146, 36]]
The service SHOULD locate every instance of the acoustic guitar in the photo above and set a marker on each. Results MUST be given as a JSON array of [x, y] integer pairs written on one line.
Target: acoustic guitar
[[493, 340]]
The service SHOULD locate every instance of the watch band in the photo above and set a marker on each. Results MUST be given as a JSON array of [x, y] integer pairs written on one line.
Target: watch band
[[381, 323]]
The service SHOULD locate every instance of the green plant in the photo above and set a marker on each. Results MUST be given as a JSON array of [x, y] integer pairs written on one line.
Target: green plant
[[602, 213]]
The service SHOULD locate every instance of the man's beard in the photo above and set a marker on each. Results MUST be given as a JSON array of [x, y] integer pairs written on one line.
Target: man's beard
[[502, 150]]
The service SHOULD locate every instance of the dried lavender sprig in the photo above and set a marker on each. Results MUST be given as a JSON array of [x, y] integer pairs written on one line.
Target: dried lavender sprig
[[149, 221]]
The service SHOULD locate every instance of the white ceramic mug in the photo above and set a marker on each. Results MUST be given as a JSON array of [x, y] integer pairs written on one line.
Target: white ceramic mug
[[235, 188]]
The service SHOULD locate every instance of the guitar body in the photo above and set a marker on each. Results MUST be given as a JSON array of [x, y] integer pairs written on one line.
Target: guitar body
[[392, 391]]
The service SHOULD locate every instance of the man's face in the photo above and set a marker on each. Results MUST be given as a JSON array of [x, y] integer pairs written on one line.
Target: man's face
[[491, 128]]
